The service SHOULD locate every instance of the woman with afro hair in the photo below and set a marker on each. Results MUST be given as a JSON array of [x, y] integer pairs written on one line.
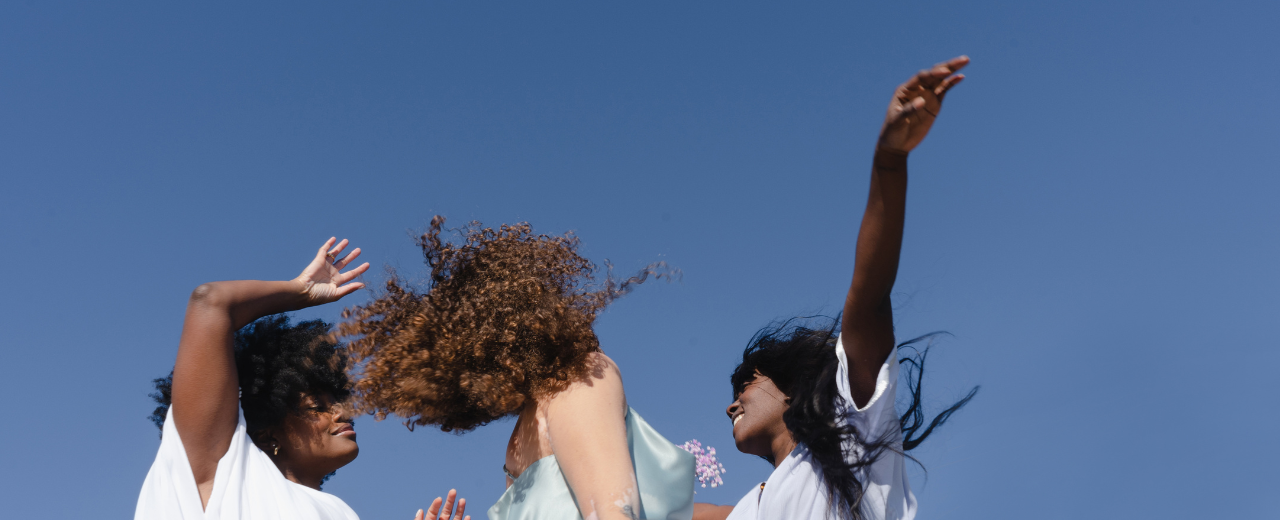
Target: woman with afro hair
[[503, 327], [818, 402], [254, 416]]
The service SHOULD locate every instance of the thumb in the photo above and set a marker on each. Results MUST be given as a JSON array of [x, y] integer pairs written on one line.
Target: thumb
[[913, 106]]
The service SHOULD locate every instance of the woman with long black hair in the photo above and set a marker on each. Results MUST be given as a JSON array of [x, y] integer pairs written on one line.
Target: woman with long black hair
[[818, 402]]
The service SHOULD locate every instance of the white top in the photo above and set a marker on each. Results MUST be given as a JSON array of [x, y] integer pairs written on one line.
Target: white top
[[246, 486], [795, 490]]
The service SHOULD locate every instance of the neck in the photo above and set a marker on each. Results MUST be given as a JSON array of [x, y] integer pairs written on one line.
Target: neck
[[782, 446], [299, 477]]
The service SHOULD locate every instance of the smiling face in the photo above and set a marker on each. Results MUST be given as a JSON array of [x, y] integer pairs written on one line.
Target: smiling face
[[314, 442], [758, 428]]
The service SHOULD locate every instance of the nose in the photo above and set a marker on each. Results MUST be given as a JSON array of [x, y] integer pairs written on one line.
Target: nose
[[343, 413], [733, 409]]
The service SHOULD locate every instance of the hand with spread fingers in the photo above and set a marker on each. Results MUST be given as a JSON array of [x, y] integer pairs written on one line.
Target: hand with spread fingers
[[916, 104], [323, 279], [435, 512]]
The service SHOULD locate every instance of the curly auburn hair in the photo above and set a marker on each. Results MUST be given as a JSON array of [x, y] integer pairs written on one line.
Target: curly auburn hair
[[506, 316], [277, 363]]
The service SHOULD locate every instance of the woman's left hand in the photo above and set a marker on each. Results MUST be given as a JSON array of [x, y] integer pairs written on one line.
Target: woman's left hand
[[436, 513], [916, 104], [323, 280]]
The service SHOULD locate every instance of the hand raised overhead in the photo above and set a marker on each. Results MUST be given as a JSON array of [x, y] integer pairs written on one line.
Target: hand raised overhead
[[323, 279], [447, 513], [916, 104]]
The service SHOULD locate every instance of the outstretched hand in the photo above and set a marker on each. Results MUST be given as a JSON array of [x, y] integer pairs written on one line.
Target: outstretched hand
[[916, 104], [324, 281], [436, 513]]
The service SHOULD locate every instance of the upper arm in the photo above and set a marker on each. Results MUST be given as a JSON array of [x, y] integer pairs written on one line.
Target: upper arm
[[588, 431], [205, 387], [867, 337]]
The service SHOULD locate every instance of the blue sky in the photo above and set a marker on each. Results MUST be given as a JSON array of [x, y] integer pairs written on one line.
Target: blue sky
[[1093, 218]]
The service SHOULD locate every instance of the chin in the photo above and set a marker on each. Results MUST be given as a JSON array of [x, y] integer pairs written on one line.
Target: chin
[[348, 453]]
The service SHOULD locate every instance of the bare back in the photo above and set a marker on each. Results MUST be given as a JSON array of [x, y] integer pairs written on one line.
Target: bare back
[[587, 422]]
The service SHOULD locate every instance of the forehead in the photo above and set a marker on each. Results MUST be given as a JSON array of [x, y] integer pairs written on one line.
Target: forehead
[[756, 379], [311, 398]]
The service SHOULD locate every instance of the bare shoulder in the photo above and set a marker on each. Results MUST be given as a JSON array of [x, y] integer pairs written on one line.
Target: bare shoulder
[[600, 386], [602, 367]]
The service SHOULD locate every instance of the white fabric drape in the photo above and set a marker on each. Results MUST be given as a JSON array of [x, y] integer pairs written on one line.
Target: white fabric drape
[[247, 486]]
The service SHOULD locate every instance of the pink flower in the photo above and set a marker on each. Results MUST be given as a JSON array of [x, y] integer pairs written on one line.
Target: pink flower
[[708, 468]]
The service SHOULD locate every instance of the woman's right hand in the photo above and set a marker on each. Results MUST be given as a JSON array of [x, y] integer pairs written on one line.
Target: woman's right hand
[[323, 280], [435, 513]]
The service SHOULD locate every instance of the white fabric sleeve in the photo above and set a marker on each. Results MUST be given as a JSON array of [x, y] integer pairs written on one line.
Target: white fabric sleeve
[[878, 413]]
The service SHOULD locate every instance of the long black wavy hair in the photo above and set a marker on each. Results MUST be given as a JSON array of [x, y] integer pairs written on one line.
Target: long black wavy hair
[[799, 356], [277, 362]]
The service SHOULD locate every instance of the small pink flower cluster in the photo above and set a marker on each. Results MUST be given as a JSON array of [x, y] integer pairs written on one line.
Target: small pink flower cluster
[[708, 468]]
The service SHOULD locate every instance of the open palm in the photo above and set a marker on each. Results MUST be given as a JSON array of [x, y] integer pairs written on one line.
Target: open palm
[[323, 278], [916, 104]]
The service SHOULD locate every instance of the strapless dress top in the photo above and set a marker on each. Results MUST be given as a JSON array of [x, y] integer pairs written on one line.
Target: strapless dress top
[[664, 473]]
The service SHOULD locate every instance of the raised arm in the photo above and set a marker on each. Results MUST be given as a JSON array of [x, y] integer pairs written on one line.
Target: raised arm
[[867, 322], [588, 430], [205, 385]]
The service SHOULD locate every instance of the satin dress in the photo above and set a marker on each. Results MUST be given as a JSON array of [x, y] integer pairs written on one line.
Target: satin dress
[[664, 474]]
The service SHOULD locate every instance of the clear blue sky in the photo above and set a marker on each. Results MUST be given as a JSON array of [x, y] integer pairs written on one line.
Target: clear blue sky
[[1094, 218]]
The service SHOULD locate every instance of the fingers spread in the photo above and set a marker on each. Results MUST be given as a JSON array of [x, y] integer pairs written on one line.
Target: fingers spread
[[347, 259], [448, 505], [338, 249], [462, 508], [350, 275], [348, 289], [932, 77], [941, 90], [953, 64]]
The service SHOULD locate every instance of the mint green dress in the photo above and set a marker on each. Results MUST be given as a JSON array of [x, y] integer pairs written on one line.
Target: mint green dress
[[664, 473]]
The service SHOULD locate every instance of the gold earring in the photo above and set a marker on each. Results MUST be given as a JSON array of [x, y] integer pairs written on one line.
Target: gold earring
[[276, 450]]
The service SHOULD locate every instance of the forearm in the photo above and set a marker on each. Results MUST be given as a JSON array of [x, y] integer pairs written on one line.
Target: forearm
[[243, 301], [880, 236], [711, 511]]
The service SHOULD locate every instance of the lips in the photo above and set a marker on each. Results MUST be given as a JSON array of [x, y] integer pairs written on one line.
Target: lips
[[737, 418], [346, 429]]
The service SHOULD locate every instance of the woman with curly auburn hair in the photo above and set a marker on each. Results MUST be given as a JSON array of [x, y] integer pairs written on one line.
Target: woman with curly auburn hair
[[254, 416], [504, 328]]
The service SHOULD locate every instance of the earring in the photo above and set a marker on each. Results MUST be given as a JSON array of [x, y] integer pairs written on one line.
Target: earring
[[275, 449]]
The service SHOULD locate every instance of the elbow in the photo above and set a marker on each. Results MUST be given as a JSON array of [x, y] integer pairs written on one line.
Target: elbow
[[207, 294]]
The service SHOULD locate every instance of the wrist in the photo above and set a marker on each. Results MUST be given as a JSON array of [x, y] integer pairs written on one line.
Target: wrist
[[889, 159], [300, 292]]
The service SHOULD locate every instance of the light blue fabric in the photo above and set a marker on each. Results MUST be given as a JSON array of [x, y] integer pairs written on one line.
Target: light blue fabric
[[664, 472]]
